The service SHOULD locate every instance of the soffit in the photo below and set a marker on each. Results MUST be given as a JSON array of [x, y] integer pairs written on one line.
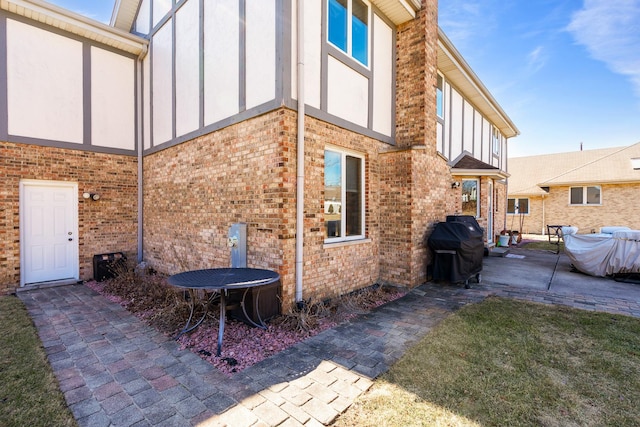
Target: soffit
[[398, 11], [457, 72], [124, 13], [74, 23]]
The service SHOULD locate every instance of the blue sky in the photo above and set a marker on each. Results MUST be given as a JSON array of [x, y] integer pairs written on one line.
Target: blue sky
[[565, 71]]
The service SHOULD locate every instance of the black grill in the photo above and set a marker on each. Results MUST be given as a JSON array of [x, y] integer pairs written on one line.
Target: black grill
[[458, 249]]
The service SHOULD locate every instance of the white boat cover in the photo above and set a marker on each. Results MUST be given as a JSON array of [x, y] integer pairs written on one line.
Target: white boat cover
[[604, 254]]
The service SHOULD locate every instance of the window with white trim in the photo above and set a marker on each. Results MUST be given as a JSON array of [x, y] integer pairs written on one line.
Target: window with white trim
[[496, 141], [343, 195], [470, 197], [518, 206], [440, 97], [585, 195], [348, 28]]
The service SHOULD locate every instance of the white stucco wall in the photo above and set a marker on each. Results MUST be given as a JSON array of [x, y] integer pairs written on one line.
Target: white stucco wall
[[160, 9], [348, 93], [466, 129], [221, 60], [187, 68], [261, 51], [146, 104], [312, 52], [383, 63], [143, 19], [44, 84], [162, 82], [112, 100]]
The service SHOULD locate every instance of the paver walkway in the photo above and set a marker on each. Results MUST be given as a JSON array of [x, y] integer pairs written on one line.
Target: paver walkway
[[116, 371]]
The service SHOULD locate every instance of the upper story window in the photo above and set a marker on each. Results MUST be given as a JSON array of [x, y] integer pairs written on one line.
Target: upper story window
[[518, 206], [495, 136], [440, 97], [349, 28], [343, 195], [585, 195]]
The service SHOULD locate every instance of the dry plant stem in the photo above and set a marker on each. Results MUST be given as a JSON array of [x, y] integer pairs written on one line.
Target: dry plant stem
[[150, 298]]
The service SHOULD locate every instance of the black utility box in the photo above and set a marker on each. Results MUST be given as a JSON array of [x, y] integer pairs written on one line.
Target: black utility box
[[261, 303], [106, 266]]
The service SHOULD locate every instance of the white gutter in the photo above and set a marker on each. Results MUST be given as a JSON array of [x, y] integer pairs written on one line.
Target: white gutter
[[139, 107], [74, 23], [300, 153]]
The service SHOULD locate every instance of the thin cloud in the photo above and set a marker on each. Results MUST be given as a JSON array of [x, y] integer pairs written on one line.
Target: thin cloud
[[610, 31], [465, 19], [536, 59]]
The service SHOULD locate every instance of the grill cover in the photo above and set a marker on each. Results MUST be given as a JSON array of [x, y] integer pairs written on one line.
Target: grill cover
[[458, 250]]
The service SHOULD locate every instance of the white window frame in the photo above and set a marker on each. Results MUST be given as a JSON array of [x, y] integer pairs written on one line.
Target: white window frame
[[343, 195], [349, 51], [496, 141], [584, 195], [440, 113], [517, 205]]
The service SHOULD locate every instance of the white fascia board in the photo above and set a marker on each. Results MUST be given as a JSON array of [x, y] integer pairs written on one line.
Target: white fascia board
[[74, 23]]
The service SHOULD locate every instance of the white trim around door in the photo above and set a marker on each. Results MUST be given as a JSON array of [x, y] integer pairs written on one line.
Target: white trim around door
[[48, 231]]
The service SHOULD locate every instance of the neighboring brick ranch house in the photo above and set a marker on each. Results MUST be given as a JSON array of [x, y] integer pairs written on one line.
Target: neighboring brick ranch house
[[586, 189], [183, 118]]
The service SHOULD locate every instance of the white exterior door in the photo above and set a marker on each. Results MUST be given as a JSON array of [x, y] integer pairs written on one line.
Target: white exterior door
[[48, 231]]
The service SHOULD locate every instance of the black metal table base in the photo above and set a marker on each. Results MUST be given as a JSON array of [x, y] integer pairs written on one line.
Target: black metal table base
[[206, 301]]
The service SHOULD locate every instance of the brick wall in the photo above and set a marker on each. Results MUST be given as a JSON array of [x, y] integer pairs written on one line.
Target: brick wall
[[619, 207], [194, 191], [247, 173], [107, 225], [415, 180], [532, 223]]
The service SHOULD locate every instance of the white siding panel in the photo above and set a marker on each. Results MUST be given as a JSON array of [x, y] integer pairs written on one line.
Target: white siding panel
[[261, 52], [439, 136], [477, 135], [112, 100], [447, 118], [468, 128], [187, 68], [143, 18], [146, 102], [486, 142], [44, 81], [160, 9], [348, 93], [383, 63], [312, 52], [221, 60], [162, 85], [456, 124]]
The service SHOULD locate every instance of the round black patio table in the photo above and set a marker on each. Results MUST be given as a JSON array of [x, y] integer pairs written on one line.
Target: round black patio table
[[218, 281]]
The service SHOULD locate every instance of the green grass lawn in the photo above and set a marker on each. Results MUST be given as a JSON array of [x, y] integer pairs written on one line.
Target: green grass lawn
[[29, 393], [509, 363], [544, 245]]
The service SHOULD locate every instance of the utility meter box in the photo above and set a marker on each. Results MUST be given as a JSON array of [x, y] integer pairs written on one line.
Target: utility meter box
[[238, 244]]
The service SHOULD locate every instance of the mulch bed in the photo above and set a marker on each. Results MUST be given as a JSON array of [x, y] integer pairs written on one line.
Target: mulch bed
[[151, 299]]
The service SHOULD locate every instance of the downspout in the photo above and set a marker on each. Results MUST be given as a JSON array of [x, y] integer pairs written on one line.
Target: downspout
[[140, 136], [300, 151]]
